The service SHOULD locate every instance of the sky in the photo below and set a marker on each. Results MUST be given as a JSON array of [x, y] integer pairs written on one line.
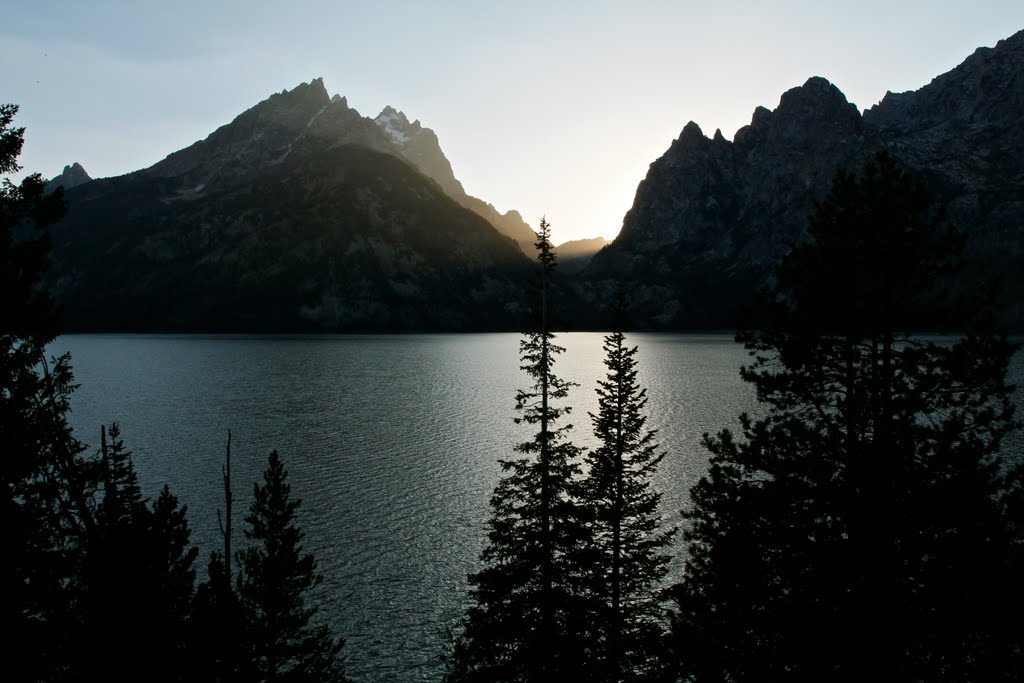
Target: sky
[[553, 108]]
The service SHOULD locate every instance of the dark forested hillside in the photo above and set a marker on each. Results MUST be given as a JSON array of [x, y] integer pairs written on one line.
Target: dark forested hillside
[[344, 238]]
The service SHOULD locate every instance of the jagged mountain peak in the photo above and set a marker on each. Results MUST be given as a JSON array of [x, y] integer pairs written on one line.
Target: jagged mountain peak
[[73, 175], [293, 107], [396, 124], [817, 87], [318, 84], [389, 113], [303, 117], [816, 99], [804, 108], [690, 142], [304, 120], [760, 117], [315, 88], [691, 130], [754, 131]]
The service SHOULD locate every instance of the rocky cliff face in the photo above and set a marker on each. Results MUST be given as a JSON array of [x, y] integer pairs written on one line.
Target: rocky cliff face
[[307, 117], [712, 217], [299, 214], [963, 134], [421, 148]]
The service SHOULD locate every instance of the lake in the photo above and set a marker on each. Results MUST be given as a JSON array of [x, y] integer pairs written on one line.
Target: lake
[[391, 442]]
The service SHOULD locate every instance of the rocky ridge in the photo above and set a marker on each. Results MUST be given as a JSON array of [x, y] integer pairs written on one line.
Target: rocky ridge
[[307, 116], [713, 216], [72, 176], [299, 214], [420, 146]]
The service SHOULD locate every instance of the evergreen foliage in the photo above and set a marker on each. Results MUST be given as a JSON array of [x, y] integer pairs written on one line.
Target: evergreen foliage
[[530, 620], [215, 637], [279, 642], [41, 515], [169, 587], [630, 544], [864, 527], [95, 584], [136, 584]]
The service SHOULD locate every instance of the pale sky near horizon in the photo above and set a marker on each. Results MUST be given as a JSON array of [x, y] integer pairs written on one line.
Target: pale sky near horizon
[[551, 108]]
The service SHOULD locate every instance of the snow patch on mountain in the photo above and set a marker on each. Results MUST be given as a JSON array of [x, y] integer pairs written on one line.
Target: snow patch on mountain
[[395, 124]]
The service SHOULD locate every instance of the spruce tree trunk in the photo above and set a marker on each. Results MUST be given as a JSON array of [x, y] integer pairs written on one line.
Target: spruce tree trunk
[[547, 632], [227, 600], [616, 626], [226, 474]]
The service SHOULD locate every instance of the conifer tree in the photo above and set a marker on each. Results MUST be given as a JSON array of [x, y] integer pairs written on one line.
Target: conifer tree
[[280, 643], [43, 510], [121, 502], [530, 621], [214, 639], [864, 528], [92, 578], [628, 538], [134, 589], [170, 586]]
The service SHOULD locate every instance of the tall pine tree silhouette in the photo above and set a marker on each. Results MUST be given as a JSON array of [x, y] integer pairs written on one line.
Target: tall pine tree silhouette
[[44, 507], [531, 617], [96, 581], [629, 540], [864, 528], [275, 575], [134, 585]]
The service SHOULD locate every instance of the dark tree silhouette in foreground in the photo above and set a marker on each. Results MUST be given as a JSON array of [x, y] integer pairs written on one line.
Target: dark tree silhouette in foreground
[[94, 582], [530, 621], [217, 615], [280, 643], [864, 528], [134, 588], [627, 534], [40, 517]]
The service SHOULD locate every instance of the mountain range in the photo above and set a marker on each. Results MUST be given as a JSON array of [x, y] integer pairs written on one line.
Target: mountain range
[[303, 214]]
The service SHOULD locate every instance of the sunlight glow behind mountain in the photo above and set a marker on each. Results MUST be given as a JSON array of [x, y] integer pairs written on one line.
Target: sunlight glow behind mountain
[[550, 109]]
